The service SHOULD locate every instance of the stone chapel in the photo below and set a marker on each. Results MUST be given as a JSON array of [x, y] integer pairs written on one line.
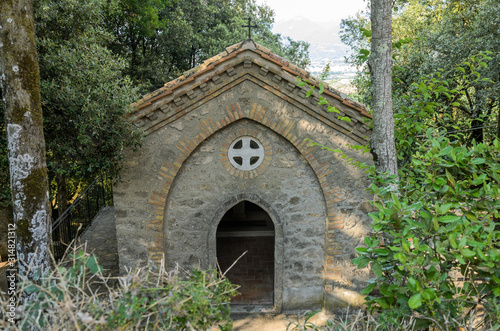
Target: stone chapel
[[229, 166]]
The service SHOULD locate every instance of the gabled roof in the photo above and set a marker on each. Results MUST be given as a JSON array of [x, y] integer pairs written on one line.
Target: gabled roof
[[178, 96]]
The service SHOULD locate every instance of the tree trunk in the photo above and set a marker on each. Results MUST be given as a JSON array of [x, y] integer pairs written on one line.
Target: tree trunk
[[62, 194], [380, 63], [23, 119], [498, 125], [477, 134]]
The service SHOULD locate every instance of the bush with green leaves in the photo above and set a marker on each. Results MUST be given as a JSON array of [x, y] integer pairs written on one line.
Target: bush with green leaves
[[77, 296], [435, 248]]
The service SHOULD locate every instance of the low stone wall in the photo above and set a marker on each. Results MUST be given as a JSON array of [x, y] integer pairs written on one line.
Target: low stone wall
[[100, 239]]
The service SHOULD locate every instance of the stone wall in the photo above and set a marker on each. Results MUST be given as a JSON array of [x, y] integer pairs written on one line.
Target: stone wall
[[180, 183], [100, 239], [287, 189]]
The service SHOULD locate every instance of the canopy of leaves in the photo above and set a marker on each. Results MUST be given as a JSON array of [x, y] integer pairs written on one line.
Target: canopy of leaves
[[160, 39], [85, 95], [447, 35]]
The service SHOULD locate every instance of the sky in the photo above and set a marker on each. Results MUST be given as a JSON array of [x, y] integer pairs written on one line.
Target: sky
[[314, 10]]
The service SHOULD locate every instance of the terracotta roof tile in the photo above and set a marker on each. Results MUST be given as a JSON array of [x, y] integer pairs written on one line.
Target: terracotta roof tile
[[231, 52]]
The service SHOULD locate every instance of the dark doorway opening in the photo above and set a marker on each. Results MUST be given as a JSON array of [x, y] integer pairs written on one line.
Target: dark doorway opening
[[247, 227]]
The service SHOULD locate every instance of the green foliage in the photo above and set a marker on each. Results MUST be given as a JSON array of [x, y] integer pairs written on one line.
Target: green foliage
[[85, 95], [435, 250], [434, 35], [97, 56], [76, 295], [435, 102], [163, 38], [332, 109]]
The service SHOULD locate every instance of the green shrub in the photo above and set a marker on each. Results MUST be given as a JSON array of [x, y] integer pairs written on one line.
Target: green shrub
[[435, 250]]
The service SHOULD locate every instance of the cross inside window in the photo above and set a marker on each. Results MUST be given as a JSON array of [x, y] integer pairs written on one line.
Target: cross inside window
[[246, 153]]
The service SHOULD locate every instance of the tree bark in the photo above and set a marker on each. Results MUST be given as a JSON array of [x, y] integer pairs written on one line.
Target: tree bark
[[380, 63], [498, 125], [23, 119], [62, 194]]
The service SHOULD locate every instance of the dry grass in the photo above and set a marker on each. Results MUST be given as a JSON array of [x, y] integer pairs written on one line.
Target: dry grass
[[361, 320], [76, 295]]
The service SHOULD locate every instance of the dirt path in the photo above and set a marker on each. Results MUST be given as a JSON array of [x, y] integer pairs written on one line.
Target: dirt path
[[268, 322]]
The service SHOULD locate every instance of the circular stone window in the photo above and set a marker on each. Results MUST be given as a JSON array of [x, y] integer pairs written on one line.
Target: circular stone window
[[246, 153]]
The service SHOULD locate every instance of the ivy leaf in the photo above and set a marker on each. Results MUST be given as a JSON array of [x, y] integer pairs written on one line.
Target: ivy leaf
[[344, 118], [332, 109], [377, 269], [322, 101], [415, 301], [367, 290], [321, 88]]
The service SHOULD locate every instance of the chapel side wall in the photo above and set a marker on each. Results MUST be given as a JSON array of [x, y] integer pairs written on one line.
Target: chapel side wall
[[141, 198], [132, 196]]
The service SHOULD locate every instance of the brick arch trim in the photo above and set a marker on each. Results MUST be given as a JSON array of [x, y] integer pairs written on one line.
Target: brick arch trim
[[283, 128]]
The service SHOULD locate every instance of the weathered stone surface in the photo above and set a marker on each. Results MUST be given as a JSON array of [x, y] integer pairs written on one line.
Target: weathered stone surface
[[100, 239]]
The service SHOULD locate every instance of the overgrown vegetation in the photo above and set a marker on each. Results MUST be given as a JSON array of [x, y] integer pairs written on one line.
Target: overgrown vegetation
[[361, 320], [435, 248], [77, 295], [438, 36]]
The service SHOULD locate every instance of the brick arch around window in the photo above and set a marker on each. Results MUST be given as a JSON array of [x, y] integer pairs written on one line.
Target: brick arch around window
[[207, 127]]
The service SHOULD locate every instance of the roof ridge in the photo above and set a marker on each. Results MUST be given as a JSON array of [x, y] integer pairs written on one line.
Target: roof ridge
[[232, 51]]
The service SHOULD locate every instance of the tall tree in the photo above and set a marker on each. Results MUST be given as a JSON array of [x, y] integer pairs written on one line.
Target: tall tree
[[85, 96], [380, 63], [160, 39], [436, 40], [26, 146]]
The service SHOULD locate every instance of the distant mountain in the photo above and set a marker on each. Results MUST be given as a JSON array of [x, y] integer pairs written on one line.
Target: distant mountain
[[325, 46], [300, 28]]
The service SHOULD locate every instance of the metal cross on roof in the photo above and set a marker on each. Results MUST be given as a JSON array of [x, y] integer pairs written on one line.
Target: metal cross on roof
[[249, 27]]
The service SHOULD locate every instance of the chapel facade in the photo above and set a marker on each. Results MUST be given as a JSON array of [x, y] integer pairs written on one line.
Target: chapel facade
[[231, 164]]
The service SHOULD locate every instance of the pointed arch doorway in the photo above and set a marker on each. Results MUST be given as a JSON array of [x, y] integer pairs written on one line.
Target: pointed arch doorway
[[246, 227]]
